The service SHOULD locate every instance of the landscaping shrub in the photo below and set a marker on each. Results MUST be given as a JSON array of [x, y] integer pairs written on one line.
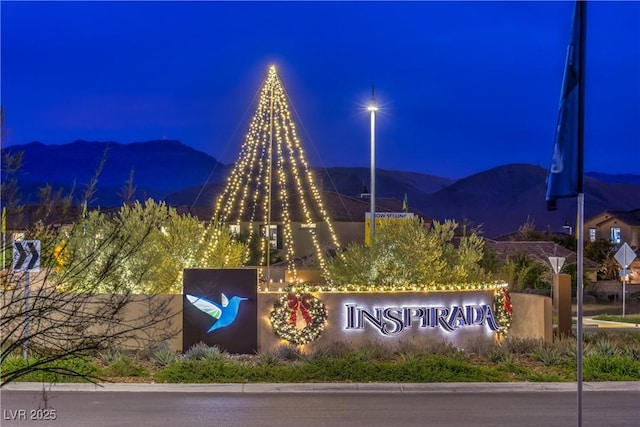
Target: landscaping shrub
[[608, 357], [268, 358], [410, 348], [71, 369], [604, 346], [499, 355], [547, 354], [334, 349], [632, 350], [109, 355], [442, 347], [480, 346], [611, 368], [566, 347], [201, 351], [521, 345], [289, 352], [125, 366], [162, 355]]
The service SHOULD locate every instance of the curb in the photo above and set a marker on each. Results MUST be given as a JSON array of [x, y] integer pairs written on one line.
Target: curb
[[603, 324], [629, 386]]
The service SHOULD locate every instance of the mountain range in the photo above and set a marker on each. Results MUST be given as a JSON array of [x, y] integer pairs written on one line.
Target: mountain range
[[498, 200]]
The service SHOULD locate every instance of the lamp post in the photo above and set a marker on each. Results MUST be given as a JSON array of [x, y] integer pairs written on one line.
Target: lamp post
[[373, 108]]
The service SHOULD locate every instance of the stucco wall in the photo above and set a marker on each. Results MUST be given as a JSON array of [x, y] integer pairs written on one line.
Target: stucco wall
[[133, 324], [532, 317]]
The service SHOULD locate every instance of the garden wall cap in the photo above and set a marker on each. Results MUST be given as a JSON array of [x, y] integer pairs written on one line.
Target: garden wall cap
[[499, 387]]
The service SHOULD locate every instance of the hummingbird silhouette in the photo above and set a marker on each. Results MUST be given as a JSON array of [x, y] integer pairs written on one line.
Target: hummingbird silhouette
[[225, 312]]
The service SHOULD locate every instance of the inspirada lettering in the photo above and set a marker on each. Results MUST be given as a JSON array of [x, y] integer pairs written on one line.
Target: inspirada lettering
[[393, 320]]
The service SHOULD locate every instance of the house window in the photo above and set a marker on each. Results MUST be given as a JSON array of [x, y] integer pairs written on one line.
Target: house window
[[234, 229], [275, 236], [616, 238], [592, 234]]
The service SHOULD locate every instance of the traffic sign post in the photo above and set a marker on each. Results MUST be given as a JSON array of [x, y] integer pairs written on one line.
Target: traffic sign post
[[625, 257], [26, 258], [556, 263]]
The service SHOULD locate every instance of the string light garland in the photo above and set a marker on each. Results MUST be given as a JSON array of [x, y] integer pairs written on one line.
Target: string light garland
[[429, 287], [286, 310], [271, 168], [503, 310]]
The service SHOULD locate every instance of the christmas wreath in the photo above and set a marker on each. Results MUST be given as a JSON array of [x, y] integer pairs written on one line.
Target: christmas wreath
[[286, 323], [503, 310]]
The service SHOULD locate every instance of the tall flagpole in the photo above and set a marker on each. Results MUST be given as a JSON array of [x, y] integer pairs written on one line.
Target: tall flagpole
[[582, 16], [566, 173]]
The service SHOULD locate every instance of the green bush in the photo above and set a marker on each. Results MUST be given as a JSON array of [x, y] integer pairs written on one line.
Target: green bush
[[204, 371], [350, 368], [125, 366], [611, 368], [71, 369]]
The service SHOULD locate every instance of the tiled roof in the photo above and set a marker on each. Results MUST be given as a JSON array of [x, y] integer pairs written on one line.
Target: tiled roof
[[631, 217], [539, 250], [339, 208]]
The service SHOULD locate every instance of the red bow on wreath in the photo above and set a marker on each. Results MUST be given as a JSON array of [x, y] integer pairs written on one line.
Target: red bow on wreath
[[507, 301], [299, 303]]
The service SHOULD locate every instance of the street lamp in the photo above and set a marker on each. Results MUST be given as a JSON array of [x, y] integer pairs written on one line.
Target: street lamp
[[373, 108], [566, 226]]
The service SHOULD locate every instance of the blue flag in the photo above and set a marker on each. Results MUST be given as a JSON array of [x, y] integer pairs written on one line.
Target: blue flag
[[565, 172]]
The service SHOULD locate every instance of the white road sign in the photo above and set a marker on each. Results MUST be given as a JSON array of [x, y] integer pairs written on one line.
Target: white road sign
[[556, 263], [625, 255]]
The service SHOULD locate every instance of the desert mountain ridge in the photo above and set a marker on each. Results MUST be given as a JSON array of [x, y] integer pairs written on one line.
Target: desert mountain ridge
[[497, 200]]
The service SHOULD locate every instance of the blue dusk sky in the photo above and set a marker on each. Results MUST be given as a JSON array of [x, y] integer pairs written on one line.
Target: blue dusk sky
[[463, 86]]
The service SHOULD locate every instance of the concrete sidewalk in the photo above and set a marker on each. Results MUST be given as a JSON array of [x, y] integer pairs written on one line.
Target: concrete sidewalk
[[632, 386]]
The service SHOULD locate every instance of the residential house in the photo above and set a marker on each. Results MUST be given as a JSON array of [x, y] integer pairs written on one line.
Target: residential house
[[345, 213], [618, 227]]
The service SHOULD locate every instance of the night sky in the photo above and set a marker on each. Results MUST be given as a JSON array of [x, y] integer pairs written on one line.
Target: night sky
[[463, 86]]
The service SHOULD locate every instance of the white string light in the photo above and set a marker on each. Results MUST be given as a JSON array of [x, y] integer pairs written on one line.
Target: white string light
[[253, 179]]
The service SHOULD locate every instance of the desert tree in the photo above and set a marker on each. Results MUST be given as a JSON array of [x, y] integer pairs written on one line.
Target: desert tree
[[171, 242], [405, 252], [80, 302], [82, 299]]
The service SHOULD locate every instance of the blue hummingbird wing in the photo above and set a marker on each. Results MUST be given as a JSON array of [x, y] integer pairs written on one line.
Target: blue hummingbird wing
[[205, 305]]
